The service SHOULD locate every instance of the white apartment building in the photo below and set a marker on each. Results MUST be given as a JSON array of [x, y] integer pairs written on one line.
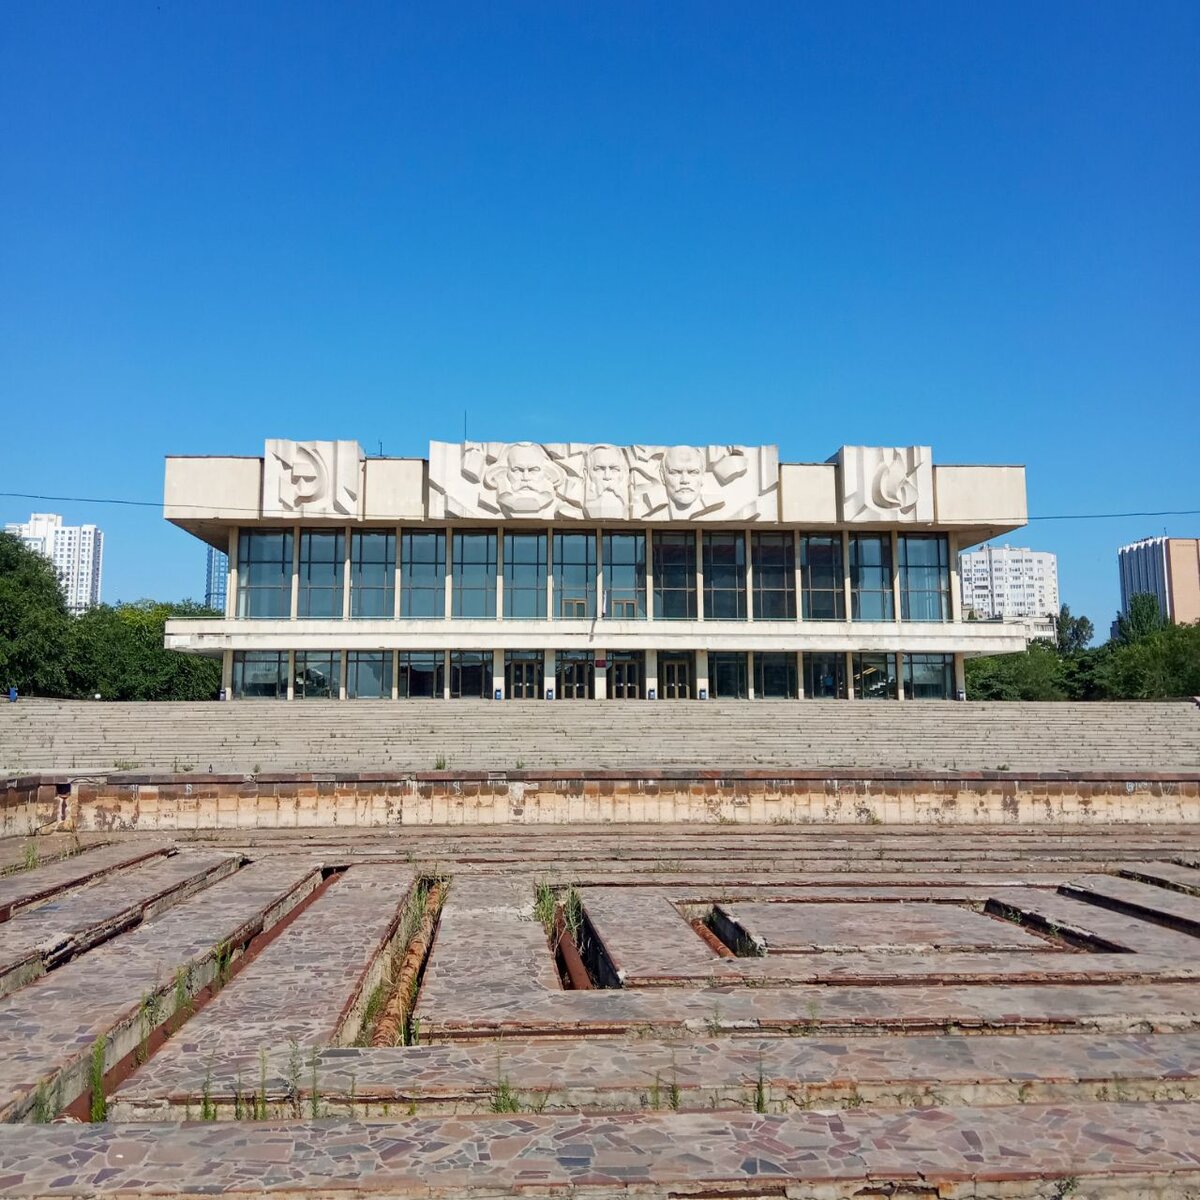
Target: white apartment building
[[77, 552], [1007, 582]]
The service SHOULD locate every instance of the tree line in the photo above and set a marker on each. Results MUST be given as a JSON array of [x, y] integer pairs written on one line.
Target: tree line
[[1148, 658], [114, 650]]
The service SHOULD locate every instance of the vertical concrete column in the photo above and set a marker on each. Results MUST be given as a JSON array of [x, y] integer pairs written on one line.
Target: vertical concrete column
[[347, 535], [899, 675], [701, 671], [600, 678], [896, 574], [849, 676], [550, 574], [699, 579], [291, 670], [395, 674], [498, 673], [227, 673], [445, 674], [799, 575], [800, 674], [749, 585], [652, 672], [956, 608], [231, 577], [295, 574], [549, 661], [345, 657], [960, 674], [602, 612], [449, 589], [846, 572], [500, 576], [649, 574], [750, 674], [397, 585]]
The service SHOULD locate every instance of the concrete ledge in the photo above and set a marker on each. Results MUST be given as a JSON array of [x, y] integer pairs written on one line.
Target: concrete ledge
[[272, 800]]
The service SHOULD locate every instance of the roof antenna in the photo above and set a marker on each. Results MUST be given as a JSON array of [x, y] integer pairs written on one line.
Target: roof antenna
[[464, 424], [381, 447]]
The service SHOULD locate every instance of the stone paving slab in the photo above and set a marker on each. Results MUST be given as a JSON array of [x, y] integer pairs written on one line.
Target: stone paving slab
[[1164, 874], [47, 1029], [1176, 910], [28, 887], [776, 1074], [14, 851], [300, 987], [808, 927], [42, 935], [1133, 1145]]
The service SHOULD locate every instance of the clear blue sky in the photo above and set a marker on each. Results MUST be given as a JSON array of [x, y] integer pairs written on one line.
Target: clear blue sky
[[973, 226]]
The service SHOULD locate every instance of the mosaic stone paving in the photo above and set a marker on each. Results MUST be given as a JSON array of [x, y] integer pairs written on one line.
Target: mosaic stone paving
[[781, 1011]]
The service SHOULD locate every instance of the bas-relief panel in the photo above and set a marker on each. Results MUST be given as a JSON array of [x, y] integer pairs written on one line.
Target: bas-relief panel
[[311, 479], [603, 482], [886, 483]]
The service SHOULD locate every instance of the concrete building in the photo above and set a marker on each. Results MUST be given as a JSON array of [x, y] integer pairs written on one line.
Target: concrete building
[[1164, 567], [1007, 582], [575, 570], [216, 574], [77, 552]]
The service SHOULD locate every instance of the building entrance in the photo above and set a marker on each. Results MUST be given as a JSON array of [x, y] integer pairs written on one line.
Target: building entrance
[[675, 676], [575, 674], [523, 675], [626, 676]]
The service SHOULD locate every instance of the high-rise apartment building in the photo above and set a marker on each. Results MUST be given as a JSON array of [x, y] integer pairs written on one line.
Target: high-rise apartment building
[[1166, 568], [215, 575], [1005, 582], [77, 552]]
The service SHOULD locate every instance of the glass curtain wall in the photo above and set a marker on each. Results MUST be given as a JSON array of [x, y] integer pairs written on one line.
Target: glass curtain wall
[[724, 576], [421, 675], [674, 577], [474, 585], [423, 574], [625, 576], [929, 676], [774, 558], [260, 674], [775, 676], [265, 573], [322, 570], [825, 676], [470, 674], [318, 675], [575, 576], [373, 576], [924, 578], [871, 595], [875, 677], [369, 675], [728, 675], [822, 578], [525, 576]]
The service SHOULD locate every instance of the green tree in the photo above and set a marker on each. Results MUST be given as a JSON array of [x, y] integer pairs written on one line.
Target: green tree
[[1036, 674], [1144, 618], [118, 652], [1159, 665], [34, 622], [1073, 633]]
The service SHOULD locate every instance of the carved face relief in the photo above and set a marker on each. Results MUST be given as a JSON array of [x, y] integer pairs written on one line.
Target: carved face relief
[[683, 474], [524, 479], [606, 487], [311, 478], [304, 479]]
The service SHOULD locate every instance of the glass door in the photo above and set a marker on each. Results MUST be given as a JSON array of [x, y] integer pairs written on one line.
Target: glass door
[[675, 676], [625, 677]]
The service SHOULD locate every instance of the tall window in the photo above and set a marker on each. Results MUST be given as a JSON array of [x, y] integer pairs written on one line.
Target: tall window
[[875, 677], [774, 676], [774, 559], [265, 573], [422, 675], [470, 674], [871, 596], [322, 569], [260, 674], [318, 675], [821, 578], [525, 575], [474, 592], [929, 676], [625, 576], [423, 574], [575, 575], [369, 675], [675, 576], [373, 575], [924, 577], [825, 676], [728, 676], [725, 576]]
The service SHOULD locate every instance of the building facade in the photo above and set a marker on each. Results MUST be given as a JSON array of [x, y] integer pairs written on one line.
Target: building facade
[[1166, 568], [570, 571], [216, 577], [77, 552], [1009, 582]]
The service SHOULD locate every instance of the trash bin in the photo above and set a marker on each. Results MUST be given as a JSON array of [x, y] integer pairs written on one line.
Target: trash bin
[[652, 694], [704, 693], [962, 695], [549, 693], [12, 695], [499, 694], [221, 695]]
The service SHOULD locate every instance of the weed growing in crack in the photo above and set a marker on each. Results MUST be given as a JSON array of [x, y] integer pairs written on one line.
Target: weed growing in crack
[[292, 1078], [504, 1098], [543, 906], [260, 1100], [149, 1015], [656, 1093], [183, 996], [314, 1099], [760, 1090], [208, 1110], [44, 1105], [31, 855], [223, 958], [239, 1107], [573, 913], [99, 1107]]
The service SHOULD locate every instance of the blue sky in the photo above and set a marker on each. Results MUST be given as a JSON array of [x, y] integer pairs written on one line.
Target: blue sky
[[973, 226]]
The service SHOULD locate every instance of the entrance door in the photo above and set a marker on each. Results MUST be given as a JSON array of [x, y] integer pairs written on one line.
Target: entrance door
[[625, 678], [675, 676], [523, 679], [575, 677]]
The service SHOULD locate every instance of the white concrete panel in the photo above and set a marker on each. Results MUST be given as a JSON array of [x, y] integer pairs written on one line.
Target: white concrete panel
[[808, 493], [220, 489], [989, 496], [394, 489]]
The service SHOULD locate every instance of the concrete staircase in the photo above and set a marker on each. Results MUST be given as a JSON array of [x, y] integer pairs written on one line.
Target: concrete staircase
[[81, 736]]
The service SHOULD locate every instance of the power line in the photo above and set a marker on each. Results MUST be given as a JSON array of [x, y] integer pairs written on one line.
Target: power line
[[226, 508]]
